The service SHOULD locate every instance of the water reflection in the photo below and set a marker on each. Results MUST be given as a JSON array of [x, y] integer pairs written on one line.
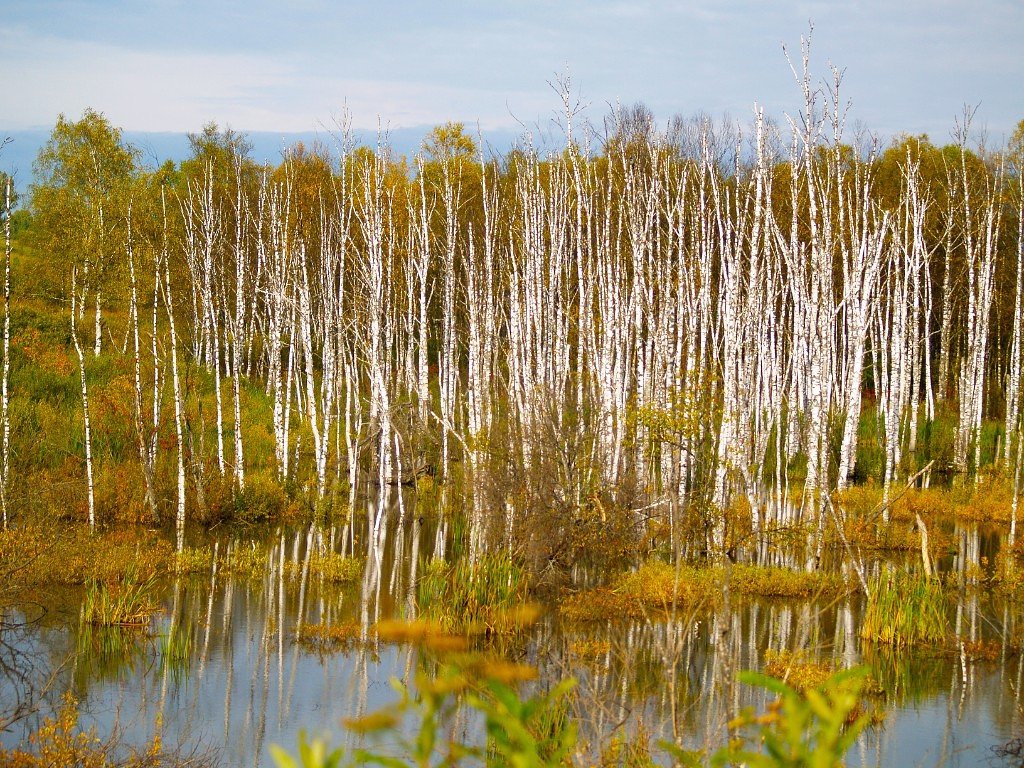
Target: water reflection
[[219, 666]]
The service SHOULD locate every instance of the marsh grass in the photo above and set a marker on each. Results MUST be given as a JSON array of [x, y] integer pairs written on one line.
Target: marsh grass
[[246, 560], [486, 597], [38, 555], [126, 603], [905, 609], [174, 648]]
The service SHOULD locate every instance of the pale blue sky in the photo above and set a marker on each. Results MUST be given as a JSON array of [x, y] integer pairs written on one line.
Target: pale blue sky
[[169, 65]]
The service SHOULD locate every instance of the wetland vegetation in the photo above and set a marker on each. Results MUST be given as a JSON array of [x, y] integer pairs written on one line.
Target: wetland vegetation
[[695, 445]]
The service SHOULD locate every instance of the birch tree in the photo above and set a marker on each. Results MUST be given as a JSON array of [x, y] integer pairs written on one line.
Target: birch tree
[[76, 296]]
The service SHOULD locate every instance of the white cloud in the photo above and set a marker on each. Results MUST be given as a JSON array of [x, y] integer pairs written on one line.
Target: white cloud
[[166, 91], [136, 89], [263, 65]]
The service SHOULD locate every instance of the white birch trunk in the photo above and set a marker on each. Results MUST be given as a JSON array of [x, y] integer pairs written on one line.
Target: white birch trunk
[[85, 402]]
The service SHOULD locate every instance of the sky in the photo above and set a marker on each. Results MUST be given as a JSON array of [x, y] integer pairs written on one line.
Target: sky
[[294, 65]]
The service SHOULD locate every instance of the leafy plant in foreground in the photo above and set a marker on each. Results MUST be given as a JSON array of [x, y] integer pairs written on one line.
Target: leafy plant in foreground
[[521, 732], [810, 729]]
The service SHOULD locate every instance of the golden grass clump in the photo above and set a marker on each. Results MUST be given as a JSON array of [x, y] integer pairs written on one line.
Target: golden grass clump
[[797, 672], [329, 637], [657, 586], [784, 583], [334, 568], [246, 560], [989, 500]]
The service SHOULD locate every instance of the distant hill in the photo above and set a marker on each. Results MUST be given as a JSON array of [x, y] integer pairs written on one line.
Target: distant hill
[[17, 157]]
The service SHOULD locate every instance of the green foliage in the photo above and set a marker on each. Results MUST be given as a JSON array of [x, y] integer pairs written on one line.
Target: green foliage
[[449, 142], [260, 500], [523, 732], [21, 222], [79, 201], [527, 733], [1016, 144], [687, 422], [813, 729], [870, 458], [312, 754], [216, 145]]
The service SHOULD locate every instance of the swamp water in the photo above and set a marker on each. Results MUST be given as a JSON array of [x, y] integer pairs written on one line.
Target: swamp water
[[221, 673]]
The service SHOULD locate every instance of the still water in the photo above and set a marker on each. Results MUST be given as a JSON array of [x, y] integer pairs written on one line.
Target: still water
[[220, 673]]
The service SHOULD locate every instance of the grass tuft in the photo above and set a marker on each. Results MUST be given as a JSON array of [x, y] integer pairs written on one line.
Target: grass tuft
[[905, 609], [486, 597], [128, 602]]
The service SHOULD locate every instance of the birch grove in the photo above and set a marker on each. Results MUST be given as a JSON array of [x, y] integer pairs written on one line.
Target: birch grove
[[688, 320]]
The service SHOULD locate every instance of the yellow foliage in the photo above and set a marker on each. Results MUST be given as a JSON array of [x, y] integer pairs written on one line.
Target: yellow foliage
[[60, 742], [34, 555]]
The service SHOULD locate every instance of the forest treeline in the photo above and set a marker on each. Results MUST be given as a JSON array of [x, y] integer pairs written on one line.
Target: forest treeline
[[672, 321]]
